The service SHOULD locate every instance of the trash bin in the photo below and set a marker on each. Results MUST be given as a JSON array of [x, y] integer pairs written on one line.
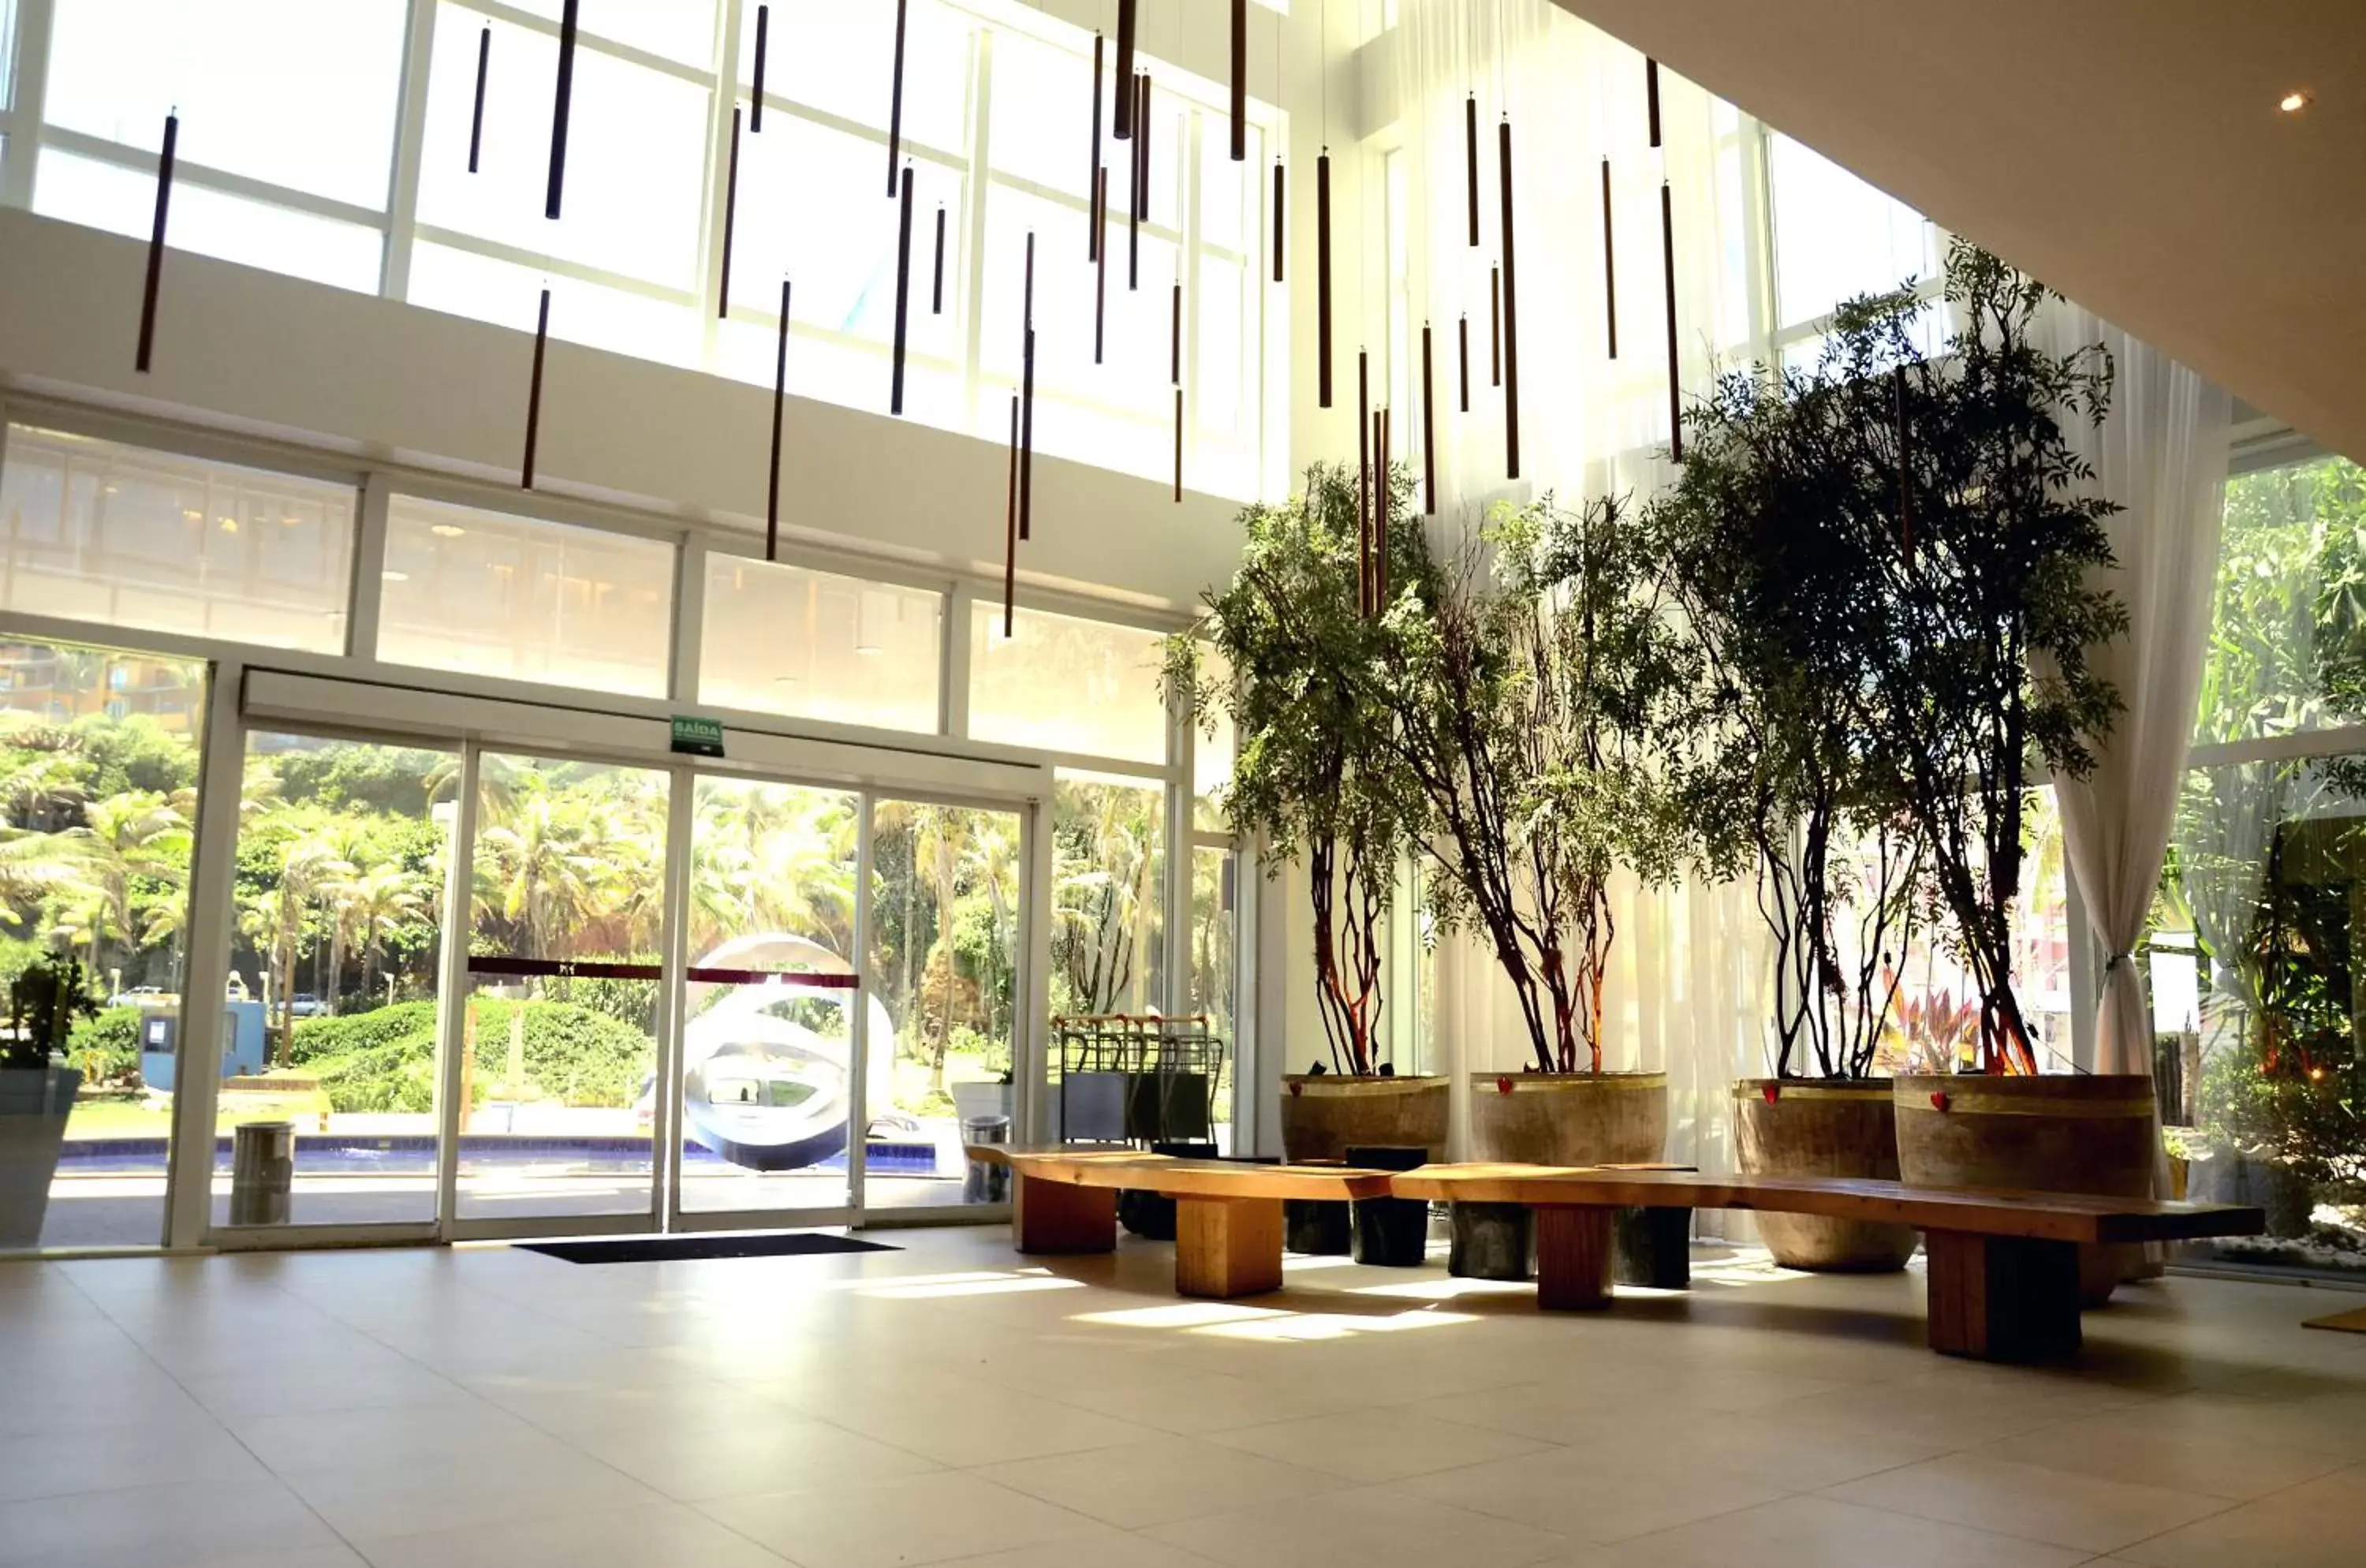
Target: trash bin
[[983, 1183], [262, 1172]]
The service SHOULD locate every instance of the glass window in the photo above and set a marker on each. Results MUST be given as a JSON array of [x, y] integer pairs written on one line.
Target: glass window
[[815, 644], [293, 92], [101, 751], [1213, 749], [254, 233], [1836, 236], [844, 270], [2288, 650], [840, 59], [101, 532], [2256, 987], [1109, 876], [678, 29], [1061, 683], [488, 593], [1029, 136], [636, 153]]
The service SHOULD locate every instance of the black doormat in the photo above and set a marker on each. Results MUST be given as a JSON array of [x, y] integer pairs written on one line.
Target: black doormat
[[676, 1249]]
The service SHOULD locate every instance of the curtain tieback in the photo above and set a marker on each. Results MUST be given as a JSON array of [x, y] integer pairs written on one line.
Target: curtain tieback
[[2115, 960]]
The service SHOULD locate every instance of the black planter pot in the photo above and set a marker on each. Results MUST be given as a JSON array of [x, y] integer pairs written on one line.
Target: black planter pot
[[1315, 1226], [1151, 1215], [1492, 1241], [1393, 1233]]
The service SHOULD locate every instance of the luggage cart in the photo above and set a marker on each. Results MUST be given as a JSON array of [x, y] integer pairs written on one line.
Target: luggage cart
[[1139, 1078]]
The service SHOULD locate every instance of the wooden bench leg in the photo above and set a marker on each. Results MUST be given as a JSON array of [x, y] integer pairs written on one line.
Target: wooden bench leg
[[2003, 1298], [1575, 1249], [1227, 1247], [1054, 1216]]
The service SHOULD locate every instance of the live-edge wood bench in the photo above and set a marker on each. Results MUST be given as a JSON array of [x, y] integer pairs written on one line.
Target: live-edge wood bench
[[2004, 1267], [1227, 1215]]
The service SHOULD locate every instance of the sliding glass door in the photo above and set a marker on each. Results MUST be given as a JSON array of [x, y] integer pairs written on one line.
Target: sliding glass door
[[557, 1081], [495, 992], [772, 1012]]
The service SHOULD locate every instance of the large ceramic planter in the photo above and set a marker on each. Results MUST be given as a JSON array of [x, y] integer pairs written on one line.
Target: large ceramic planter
[[1322, 1113], [1569, 1118], [34, 1104], [1795, 1127], [1990, 1132]]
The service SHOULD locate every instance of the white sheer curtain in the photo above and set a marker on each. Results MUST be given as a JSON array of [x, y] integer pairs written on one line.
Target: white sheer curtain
[[1688, 965], [2162, 457]]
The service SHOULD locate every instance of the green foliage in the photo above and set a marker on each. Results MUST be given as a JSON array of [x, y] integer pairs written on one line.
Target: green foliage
[[1765, 532], [1299, 646], [106, 1047], [46, 1003], [1985, 550], [384, 1060], [2306, 1114], [1538, 715]]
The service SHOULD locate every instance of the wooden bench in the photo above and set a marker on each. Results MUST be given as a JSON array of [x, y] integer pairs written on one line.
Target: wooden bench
[[2004, 1265], [1227, 1216]]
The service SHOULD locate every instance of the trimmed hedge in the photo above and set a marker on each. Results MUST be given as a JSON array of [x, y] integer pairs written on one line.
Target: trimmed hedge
[[385, 1059]]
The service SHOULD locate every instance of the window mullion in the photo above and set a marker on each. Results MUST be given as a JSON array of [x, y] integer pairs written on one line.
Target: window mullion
[[410, 137], [27, 100]]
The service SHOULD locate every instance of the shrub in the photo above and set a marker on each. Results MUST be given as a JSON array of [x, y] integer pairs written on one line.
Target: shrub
[[384, 1060], [106, 1048]]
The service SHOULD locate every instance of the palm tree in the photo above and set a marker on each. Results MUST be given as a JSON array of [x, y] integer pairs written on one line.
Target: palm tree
[[137, 834], [380, 899], [545, 883], [309, 864]]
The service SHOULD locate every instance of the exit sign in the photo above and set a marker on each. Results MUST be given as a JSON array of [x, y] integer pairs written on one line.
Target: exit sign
[[697, 736]]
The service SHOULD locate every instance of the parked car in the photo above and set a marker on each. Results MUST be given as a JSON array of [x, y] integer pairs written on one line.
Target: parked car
[[137, 997], [305, 1005]]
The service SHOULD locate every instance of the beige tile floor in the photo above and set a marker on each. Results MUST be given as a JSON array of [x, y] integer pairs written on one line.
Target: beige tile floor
[[950, 1402]]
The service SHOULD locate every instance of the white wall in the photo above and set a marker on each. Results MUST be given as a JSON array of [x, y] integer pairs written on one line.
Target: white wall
[[257, 352]]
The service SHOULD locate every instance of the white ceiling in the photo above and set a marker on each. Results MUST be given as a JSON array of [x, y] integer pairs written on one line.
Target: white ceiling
[[2128, 153]]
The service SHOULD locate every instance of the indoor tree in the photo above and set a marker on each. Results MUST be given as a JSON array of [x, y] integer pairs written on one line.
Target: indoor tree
[[1765, 537], [1537, 704], [1293, 632], [1984, 547]]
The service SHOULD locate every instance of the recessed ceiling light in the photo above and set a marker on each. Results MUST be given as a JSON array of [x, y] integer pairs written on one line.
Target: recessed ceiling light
[[448, 530], [395, 576], [2293, 101]]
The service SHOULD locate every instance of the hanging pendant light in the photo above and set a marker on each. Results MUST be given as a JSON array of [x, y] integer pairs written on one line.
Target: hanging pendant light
[[1280, 219], [559, 110], [1429, 429], [1174, 374], [1322, 278], [730, 221], [779, 396], [1363, 483], [1122, 116], [1652, 96], [1010, 532], [937, 288], [152, 288], [1609, 268], [903, 289], [1100, 266], [1465, 328], [896, 103], [1668, 261], [534, 392], [1136, 207], [1511, 309], [1495, 326], [1092, 169], [477, 118], [1027, 396], [1240, 81], [1471, 153], [756, 105]]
